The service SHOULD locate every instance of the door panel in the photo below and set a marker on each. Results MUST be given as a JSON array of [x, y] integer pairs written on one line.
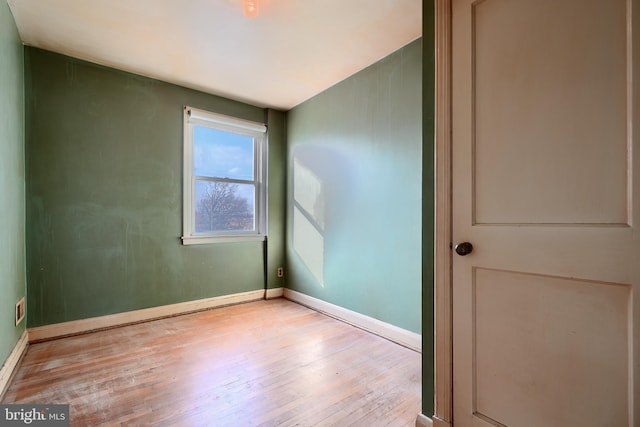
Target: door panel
[[538, 338], [544, 100], [545, 185]]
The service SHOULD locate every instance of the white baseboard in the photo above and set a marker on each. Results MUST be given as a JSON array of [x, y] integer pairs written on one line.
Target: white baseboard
[[393, 333], [42, 333], [274, 293], [423, 421], [12, 361]]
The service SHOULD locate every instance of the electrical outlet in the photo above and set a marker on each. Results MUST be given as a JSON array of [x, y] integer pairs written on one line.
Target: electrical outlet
[[280, 272], [20, 311]]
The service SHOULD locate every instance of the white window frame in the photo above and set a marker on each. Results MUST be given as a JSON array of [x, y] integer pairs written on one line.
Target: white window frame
[[195, 116]]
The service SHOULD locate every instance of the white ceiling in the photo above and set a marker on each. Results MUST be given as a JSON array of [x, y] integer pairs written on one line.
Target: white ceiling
[[294, 50]]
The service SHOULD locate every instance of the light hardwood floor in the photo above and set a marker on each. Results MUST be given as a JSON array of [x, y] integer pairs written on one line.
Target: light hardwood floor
[[266, 363]]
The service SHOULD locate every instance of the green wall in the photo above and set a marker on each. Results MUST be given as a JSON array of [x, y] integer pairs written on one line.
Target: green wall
[[104, 195], [12, 186], [355, 190], [277, 182], [428, 200]]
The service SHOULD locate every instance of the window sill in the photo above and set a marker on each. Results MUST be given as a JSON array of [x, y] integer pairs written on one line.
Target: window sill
[[205, 240]]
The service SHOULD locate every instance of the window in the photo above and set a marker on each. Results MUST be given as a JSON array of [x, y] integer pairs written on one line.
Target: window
[[224, 178]]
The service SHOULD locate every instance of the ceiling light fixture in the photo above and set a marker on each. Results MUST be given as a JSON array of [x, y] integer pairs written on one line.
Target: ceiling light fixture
[[251, 8]]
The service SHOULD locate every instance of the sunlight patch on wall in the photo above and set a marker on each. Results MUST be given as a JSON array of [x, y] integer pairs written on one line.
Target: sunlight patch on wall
[[308, 219], [307, 193]]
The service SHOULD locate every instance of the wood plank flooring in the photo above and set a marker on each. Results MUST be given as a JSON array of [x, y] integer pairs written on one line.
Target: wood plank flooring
[[266, 363]]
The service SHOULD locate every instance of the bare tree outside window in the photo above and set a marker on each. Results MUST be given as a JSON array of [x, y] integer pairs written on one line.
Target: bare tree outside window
[[219, 207]]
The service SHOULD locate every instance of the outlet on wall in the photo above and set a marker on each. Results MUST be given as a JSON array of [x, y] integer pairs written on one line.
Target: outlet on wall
[[20, 311], [280, 272]]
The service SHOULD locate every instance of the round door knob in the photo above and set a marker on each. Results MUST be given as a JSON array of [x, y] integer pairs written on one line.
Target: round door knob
[[464, 248]]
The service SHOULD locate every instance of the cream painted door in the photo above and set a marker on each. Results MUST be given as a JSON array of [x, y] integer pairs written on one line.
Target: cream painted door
[[546, 309]]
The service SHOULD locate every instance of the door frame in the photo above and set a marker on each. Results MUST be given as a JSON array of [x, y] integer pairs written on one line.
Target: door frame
[[443, 285]]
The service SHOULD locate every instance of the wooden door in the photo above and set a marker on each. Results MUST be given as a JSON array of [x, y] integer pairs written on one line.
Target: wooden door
[[545, 187]]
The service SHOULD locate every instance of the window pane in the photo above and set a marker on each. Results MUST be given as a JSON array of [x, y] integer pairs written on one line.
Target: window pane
[[221, 154], [224, 206]]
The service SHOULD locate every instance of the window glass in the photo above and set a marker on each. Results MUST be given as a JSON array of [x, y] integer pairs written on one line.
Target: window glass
[[224, 206], [222, 154]]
